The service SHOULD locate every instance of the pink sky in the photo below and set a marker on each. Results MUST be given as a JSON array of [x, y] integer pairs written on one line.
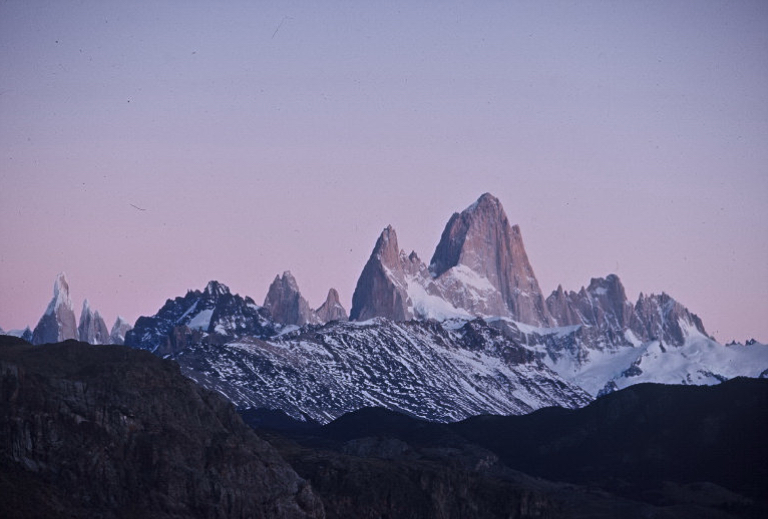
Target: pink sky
[[261, 137]]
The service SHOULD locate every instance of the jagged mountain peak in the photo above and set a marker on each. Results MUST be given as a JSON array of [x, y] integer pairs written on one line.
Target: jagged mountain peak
[[479, 268], [285, 302], [92, 328], [381, 289], [60, 294], [481, 239], [189, 318], [58, 322], [331, 309], [216, 289], [386, 248]]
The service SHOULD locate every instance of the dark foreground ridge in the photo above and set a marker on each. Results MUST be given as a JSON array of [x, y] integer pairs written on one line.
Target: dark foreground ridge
[[646, 451], [113, 432]]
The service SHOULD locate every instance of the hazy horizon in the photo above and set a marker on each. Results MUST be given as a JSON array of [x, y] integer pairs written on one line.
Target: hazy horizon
[[147, 149]]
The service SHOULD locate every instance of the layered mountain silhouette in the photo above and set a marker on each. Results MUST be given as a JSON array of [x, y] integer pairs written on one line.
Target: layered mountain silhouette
[[646, 451], [161, 446], [468, 333]]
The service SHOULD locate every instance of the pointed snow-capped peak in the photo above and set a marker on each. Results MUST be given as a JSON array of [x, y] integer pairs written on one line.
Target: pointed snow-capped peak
[[216, 289], [58, 322], [381, 289], [119, 329], [481, 239], [331, 309], [386, 249], [92, 328], [285, 302], [60, 295]]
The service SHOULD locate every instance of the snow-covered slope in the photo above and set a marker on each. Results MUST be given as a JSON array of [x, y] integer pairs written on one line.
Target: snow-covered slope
[[421, 368], [582, 356]]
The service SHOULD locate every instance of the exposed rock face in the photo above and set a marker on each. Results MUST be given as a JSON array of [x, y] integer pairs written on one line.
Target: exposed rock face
[[58, 322], [92, 328], [119, 331], [331, 309], [112, 432], [285, 303], [214, 310], [381, 290], [479, 268], [604, 305], [481, 239], [659, 317]]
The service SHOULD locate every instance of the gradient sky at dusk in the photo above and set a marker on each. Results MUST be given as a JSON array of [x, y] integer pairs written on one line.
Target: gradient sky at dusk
[[258, 137]]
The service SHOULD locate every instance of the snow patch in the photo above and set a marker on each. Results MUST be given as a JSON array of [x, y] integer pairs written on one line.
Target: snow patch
[[202, 320]]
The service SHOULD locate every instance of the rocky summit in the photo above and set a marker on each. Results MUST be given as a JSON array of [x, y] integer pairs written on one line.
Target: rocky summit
[[481, 240], [92, 328], [58, 322], [479, 268], [331, 309], [286, 304]]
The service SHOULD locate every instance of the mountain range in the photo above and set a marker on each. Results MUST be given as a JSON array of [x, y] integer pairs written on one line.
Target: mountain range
[[116, 432], [469, 333]]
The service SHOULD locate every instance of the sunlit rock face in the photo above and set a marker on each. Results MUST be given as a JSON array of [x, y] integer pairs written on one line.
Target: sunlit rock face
[[286, 304], [481, 240], [382, 290], [479, 268]]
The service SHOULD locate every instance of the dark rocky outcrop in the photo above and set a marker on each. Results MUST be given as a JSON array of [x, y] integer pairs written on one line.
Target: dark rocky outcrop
[[113, 432], [636, 440], [646, 451], [58, 322]]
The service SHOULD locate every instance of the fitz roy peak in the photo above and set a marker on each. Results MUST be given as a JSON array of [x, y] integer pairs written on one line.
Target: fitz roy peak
[[479, 268], [481, 240]]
